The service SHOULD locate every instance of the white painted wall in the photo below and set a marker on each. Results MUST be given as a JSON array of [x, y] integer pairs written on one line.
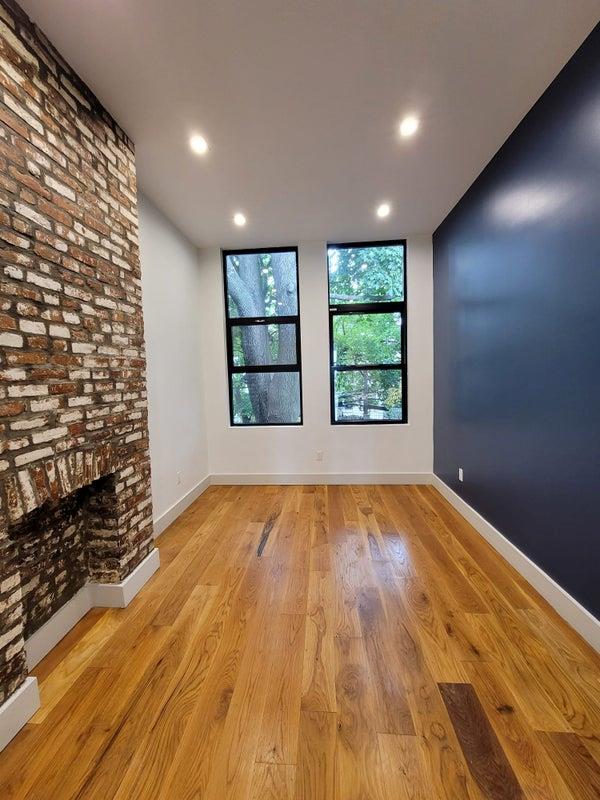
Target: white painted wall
[[363, 450], [173, 307]]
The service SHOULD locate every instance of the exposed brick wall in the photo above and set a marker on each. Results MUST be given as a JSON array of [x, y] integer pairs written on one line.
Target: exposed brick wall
[[51, 556], [72, 359]]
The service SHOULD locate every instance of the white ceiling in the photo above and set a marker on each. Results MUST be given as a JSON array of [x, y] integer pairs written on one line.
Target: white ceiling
[[300, 100]]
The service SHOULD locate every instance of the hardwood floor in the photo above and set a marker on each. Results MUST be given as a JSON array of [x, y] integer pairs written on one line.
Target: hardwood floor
[[340, 643]]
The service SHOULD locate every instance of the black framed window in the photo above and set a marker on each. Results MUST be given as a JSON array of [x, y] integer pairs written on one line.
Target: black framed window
[[262, 313], [367, 332]]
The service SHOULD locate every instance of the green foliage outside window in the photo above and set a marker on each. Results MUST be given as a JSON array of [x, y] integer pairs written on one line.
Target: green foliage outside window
[[372, 276], [367, 338], [366, 274]]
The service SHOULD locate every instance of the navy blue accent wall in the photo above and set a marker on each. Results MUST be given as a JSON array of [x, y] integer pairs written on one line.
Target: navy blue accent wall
[[517, 334]]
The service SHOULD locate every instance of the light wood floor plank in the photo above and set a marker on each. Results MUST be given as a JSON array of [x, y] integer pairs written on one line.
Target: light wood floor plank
[[358, 773], [318, 672], [273, 782], [315, 773], [296, 644], [278, 739], [404, 771]]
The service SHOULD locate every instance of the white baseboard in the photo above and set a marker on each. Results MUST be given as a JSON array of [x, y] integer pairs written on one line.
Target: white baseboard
[[309, 478], [119, 595], [23, 704], [18, 710], [45, 638], [170, 515], [92, 595], [569, 609], [15, 712]]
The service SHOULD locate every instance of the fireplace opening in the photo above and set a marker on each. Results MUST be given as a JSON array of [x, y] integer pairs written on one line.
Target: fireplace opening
[[52, 549]]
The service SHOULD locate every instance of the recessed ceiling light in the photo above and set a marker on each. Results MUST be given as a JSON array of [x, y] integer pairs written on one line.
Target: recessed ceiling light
[[239, 219], [409, 126], [383, 210], [199, 144]]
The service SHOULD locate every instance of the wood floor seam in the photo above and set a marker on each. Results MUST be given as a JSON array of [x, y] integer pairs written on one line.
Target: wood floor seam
[[317, 643]]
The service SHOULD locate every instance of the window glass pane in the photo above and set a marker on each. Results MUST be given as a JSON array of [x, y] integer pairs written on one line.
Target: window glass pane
[[366, 274], [264, 398], [367, 339], [259, 345], [262, 285], [368, 395]]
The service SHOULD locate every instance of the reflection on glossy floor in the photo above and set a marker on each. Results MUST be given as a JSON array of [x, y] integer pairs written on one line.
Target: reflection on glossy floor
[[376, 648]]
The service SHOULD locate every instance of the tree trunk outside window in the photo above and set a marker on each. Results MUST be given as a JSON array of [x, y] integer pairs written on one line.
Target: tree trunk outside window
[[274, 396]]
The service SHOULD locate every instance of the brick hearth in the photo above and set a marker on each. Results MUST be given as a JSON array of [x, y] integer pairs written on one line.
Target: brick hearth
[[72, 361]]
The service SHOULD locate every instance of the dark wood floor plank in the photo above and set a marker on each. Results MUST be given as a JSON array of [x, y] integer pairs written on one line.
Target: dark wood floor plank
[[535, 770], [485, 757]]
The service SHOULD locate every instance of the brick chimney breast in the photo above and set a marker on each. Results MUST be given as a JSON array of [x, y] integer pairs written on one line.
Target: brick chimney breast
[[75, 498]]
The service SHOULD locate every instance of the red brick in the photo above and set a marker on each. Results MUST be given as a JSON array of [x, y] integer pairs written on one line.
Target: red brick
[[11, 409], [55, 273]]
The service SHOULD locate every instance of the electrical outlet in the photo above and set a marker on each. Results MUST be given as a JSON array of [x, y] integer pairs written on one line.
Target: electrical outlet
[[460, 474], [179, 479], [319, 455]]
